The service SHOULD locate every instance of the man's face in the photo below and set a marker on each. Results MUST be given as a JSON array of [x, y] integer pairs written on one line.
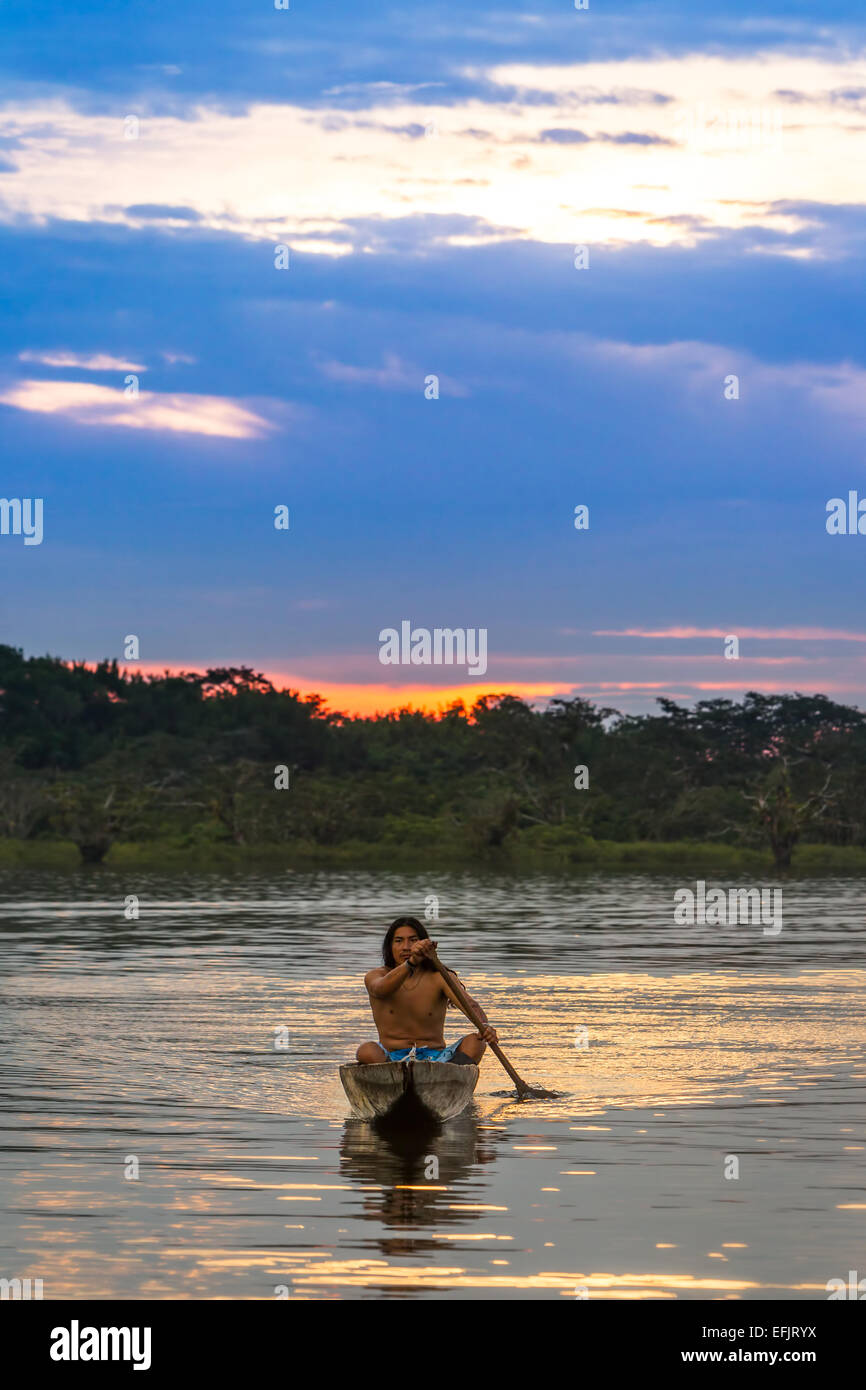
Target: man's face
[[404, 943]]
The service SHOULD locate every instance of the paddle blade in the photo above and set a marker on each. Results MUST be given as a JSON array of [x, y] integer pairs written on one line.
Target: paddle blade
[[530, 1093]]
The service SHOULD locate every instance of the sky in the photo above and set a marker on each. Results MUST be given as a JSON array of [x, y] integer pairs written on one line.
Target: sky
[[627, 243]]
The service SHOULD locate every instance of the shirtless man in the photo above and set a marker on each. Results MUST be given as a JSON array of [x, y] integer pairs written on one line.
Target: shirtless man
[[409, 997]]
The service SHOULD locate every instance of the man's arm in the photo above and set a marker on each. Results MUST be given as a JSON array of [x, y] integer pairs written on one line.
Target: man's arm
[[380, 983]]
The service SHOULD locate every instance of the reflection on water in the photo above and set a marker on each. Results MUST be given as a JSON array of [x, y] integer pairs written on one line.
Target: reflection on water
[[418, 1193], [673, 1048]]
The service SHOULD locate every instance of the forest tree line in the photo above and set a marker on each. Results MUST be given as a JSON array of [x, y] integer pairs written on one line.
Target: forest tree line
[[98, 755]]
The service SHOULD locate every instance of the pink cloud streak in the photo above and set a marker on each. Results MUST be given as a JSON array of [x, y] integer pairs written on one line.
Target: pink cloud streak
[[775, 634]]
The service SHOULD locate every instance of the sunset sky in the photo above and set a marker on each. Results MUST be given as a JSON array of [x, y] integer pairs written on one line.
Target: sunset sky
[[432, 169]]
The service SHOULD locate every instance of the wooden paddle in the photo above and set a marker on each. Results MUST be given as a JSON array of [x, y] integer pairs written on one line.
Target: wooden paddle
[[474, 1017]]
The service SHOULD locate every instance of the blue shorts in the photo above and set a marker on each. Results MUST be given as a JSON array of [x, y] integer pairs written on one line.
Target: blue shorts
[[425, 1054]]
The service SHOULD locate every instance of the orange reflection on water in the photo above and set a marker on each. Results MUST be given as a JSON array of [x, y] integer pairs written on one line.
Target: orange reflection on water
[[467, 1235], [474, 1206], [694, 1037], [418, 1187], [379, 1274], [232, 1179]]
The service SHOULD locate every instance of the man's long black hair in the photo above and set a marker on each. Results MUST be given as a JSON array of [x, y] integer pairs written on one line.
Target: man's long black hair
[[387, 945]]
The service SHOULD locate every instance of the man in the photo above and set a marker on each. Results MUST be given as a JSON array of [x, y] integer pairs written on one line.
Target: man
[[409, 997]]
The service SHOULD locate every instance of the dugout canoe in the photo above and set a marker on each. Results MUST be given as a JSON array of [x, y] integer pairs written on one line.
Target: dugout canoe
[[411, 1091]]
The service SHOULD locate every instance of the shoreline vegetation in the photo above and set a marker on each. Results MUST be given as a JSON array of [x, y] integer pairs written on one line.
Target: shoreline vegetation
[[221, 768], [646, 856]]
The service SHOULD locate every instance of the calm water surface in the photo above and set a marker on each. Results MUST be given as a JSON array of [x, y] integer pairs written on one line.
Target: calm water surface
[[679, 1052]]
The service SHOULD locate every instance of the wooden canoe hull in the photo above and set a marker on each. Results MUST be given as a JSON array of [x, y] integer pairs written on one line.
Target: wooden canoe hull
[[440, 1090]]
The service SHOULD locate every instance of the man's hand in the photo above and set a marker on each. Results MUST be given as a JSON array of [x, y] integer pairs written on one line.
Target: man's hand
[[488, 1034], [422, 951]]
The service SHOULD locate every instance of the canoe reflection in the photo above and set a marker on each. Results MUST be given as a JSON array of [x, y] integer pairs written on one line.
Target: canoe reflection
[[414, 1178]]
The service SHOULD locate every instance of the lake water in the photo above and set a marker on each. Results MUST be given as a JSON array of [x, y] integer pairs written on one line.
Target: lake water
[[683, 1055]]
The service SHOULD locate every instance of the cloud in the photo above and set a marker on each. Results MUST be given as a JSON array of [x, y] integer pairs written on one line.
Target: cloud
[[621, 96], [774, 634], [560, 136], [848, 96], [240, 163], [612, 212], [395, 375], [331, 123], [564, 136], [86, 404], [840, 96], [837, 389], [548, 662], [630, 137], [421, 233], [162, 212], [435, 49], [95, 362], [373, 91], [692, 221]]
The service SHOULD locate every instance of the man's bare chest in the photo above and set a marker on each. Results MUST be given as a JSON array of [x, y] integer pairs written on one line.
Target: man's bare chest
[[418, 998]]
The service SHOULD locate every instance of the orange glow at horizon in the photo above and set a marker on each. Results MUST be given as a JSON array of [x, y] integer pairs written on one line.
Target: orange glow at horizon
[[368, 699], [384, 699]]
